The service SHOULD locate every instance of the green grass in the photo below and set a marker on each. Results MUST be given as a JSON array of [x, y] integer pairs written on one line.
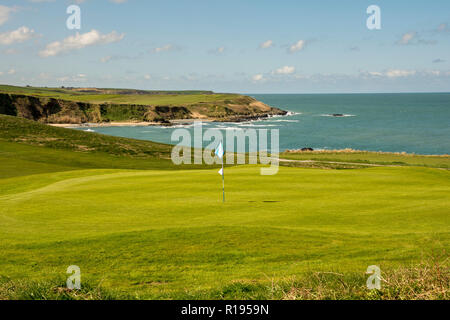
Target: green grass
[[138, 229], [28, 147], [162, 233], [117, 95], [372, 158]]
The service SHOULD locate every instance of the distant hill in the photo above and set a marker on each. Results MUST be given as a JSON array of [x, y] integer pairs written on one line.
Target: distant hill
[[94, 105]]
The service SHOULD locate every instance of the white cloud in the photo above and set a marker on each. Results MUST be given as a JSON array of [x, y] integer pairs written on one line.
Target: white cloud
[[407, 38], [258, 77], [299, 45], [376, 73], [20, 35], [266, 44], [76, 78], [284, 70], [80, 41], [11, 71], [4, 13], [413, 38], [147, 77], [399, 73], [167, 47], [391, 73]]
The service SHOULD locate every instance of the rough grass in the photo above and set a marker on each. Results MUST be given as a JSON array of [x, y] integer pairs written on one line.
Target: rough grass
[[52, 290], [429, 280], [426, 281]]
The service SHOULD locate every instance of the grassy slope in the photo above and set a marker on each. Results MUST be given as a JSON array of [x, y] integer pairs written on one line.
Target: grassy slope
[[28, 147], [166, 234]]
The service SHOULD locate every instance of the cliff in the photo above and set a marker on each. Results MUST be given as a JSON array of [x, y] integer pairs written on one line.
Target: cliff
[[53, 110]]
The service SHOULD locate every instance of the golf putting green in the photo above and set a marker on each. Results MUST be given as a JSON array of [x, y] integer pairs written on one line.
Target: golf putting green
[[162, 233]]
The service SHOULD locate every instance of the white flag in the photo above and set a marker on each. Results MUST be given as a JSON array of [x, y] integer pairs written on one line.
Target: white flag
[[219, 151], [221, 172]]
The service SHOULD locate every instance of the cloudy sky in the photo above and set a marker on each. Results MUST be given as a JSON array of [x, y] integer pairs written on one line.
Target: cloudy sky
[[249, 46]]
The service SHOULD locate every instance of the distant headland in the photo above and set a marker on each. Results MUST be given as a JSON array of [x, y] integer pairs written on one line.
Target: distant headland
[[77, 106]]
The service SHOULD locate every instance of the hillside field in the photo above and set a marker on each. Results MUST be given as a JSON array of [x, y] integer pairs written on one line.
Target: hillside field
[[140, 227]]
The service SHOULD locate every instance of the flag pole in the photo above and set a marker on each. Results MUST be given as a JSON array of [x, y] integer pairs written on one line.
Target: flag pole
[[223, 182], [219, 152]]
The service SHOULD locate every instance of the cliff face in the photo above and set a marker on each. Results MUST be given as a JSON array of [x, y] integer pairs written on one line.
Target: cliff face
[[58, 111]]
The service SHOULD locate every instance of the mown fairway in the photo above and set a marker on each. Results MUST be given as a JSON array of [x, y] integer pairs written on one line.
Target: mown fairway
[[140, 227], [165, 233]]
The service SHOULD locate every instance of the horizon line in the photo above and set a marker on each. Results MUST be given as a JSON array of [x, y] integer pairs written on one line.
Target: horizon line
[[225, 92]]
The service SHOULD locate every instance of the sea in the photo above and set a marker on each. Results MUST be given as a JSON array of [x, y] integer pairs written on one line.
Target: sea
[[401, 122]]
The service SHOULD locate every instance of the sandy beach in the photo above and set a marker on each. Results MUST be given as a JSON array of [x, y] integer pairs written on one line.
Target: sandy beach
[[104, 124], [127, 123]]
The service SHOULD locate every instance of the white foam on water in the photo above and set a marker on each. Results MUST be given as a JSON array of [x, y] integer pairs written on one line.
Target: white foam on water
[[176, 126], [257, 125], [229, 128], [284, 120]]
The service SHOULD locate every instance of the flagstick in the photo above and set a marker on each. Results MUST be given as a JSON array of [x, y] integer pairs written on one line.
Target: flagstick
[[223, 182]]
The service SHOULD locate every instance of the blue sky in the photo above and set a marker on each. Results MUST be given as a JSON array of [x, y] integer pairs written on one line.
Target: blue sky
[[244, 46]]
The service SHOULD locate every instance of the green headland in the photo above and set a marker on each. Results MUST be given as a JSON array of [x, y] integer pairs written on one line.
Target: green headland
[[93, 105]]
